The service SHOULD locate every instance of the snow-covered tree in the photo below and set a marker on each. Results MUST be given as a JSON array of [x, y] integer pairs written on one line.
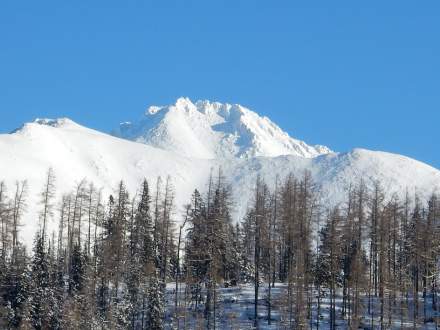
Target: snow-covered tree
[[39, 300], [155, 308]]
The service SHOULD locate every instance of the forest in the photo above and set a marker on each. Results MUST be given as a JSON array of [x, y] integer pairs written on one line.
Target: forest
[[138, 261]]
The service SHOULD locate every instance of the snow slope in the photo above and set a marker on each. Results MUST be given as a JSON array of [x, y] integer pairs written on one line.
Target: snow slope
[[334, 173], [214, 130], [76, 152]]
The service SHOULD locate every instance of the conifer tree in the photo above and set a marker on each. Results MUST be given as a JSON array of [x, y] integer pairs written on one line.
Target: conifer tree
[[39, 287], [328, 268], [155, 308]]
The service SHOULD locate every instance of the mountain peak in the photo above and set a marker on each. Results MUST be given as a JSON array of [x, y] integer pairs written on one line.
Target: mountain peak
[[230, 135], [205, 129], [54, 123], [184, 103], [58, 122]]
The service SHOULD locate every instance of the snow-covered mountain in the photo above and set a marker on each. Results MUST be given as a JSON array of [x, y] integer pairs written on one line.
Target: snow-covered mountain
[[186, 141], [214, 130], [76, 153]]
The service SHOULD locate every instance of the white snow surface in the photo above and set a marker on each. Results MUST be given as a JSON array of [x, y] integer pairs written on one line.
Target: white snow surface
[[76, 152], [211, 130]]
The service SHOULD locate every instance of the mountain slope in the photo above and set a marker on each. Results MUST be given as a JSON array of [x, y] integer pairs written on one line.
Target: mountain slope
[[214, 130], [335, 173], [76, 152]]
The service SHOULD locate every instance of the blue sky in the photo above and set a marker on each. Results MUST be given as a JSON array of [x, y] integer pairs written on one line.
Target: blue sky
[[340, 73]]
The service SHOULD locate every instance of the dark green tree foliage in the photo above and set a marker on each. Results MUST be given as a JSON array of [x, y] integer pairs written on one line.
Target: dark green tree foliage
[[56, 291], [13, 288], [144, 228], [39, 287], [113, 255], [196, 255], [155, 308], [141, 253], [328, 265], [240, 268], [77, 270], [209, 246]]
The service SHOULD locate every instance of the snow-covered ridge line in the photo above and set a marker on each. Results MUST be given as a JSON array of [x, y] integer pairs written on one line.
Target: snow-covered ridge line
[[76, 152], [213, 130], [53, 122], [49, 122]]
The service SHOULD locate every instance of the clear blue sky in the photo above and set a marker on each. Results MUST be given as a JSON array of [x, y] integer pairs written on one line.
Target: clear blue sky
[[340, 73]]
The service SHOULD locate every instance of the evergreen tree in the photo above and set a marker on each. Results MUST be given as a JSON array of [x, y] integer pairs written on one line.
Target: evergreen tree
[[155, 308], [76, 279], [39, 287], [328, 270], [13, 288], [196, 255]]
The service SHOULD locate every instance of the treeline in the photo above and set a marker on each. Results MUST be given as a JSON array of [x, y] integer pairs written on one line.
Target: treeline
[[373, 260], [103, 268]]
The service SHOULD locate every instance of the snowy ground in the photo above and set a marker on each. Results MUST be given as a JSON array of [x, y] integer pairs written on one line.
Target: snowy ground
[[235, 310]]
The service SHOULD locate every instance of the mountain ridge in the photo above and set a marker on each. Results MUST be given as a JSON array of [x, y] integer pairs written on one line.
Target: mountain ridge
[[211, 130], [76, 152]]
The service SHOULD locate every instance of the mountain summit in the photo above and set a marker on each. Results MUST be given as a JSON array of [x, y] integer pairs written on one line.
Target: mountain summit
[[211, 130], [186, 141]]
